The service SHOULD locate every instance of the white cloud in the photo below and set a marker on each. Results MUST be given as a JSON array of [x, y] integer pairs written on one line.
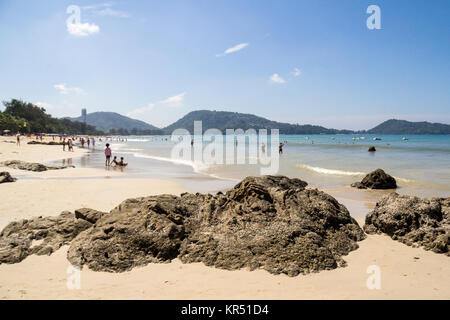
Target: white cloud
[[296, 72], [104, 9], [175, 101], [97, 6], [65, 90], [233, 49], [275, 78], [82, 29], [112, 13], [145, 113], [141, 111]]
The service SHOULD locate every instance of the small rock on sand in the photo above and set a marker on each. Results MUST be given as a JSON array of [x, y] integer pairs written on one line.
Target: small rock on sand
[[6, 177], [30, 166]]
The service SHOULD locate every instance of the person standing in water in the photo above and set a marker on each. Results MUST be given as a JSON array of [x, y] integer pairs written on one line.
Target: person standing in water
[[280, 148], [70, 144], [108, 155]]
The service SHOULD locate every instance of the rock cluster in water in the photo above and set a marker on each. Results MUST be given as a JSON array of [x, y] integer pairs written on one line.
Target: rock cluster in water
[[6, 177], [30, 166], [270, 222], [377, 179], [412, 221]]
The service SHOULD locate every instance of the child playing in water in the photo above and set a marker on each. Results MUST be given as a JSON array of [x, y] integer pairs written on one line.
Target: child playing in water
[[114, 161], [121, 163]]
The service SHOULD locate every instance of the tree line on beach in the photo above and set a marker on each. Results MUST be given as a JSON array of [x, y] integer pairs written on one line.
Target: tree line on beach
[[26, 118]]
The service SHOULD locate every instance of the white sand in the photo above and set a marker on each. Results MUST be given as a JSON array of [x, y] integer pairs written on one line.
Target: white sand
[[34, 153], [45, 277], [402, 277]]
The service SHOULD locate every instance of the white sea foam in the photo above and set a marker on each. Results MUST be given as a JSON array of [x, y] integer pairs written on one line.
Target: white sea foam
[[404, 180], [139, 140], [330, 171], [128, 149], [197, 166], [344, 173]]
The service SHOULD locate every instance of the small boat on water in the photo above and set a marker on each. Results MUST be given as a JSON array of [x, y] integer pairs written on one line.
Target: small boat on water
[[404, 138], [375, 139]]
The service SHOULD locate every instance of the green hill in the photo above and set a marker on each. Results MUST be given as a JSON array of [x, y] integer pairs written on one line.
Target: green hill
[[223, 120], [394, 126], [25, 117], [112, 122]]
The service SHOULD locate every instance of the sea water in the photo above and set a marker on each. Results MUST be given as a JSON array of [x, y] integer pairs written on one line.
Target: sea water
[[420, 163]]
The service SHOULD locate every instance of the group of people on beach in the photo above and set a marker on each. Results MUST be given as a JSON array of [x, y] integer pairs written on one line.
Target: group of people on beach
[[88, 141], [280, 147], [69, 144], [114, 162]]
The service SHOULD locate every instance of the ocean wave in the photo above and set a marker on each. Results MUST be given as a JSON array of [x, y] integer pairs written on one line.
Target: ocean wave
[[336, 172], [196, 166], [330, 171], [139, 140], [128, 149], [405, 180]]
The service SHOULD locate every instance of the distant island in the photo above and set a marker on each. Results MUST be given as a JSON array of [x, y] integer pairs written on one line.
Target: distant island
[[223, 120], [118, 124], [394, 126], [28, 118]]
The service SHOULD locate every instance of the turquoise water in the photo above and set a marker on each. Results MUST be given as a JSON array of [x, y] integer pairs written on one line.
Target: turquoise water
[[421, 164]]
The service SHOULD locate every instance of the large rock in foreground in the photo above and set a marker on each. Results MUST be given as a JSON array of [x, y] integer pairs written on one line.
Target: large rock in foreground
[[30, 166], [137, 232], [271, 222], [377, 179], [41, 236], [412, 221]]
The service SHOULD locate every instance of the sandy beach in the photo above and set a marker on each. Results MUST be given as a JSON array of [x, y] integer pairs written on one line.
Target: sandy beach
[[406, 272]]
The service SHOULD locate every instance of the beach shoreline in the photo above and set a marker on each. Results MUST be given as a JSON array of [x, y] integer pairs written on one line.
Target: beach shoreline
[[407, 273]]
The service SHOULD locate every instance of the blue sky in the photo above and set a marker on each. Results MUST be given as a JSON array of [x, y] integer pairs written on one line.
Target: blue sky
[[292, 61]]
